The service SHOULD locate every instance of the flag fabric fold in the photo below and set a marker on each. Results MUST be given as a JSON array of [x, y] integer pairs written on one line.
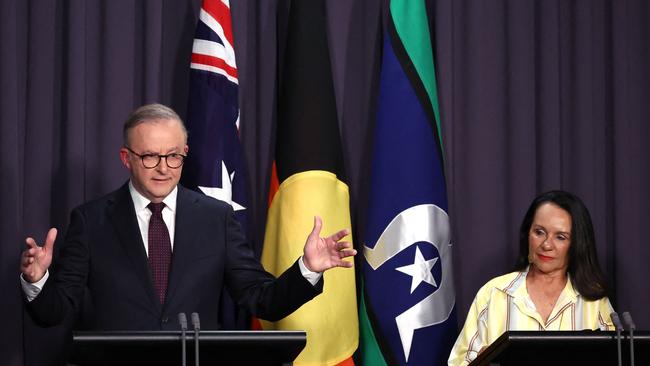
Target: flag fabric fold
[[215, 163], [407, 310], [310, 181]]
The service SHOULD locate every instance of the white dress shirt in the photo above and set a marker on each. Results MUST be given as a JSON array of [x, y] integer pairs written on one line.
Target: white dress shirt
[[143, 213]]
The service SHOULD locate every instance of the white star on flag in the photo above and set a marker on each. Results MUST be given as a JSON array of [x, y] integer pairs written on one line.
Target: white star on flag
[[225, 192], [420, 270]]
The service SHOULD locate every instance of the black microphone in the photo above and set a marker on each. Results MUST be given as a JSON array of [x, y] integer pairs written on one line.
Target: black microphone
[[619, 327], [197, 326], [627, 319], [182, 319]]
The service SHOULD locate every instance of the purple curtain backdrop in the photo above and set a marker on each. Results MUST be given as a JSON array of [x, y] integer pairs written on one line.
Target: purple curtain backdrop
[[535, 95]]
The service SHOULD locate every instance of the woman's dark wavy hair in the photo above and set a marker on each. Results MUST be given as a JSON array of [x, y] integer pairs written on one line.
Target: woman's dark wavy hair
[[585, 273]]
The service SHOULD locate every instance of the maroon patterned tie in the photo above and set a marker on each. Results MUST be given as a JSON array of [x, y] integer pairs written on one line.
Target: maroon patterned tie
[[160, 249]]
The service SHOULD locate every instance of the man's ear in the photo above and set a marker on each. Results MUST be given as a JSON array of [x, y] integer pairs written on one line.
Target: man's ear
[[124, 157]]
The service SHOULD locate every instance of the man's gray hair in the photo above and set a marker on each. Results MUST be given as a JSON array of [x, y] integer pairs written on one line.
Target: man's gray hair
[[150, 112]]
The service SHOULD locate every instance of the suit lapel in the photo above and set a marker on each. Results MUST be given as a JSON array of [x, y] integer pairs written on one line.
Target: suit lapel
[[122, 215], [183, 240]]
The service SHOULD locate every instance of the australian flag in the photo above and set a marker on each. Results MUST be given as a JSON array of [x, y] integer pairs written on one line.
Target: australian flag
[[408, 303], [215, 163]]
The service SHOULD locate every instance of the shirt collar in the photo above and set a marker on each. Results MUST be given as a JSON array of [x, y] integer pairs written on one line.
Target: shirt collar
[[140, 202], [518, 288]]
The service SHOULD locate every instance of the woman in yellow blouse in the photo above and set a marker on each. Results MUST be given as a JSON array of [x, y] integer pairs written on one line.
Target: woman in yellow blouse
[[557, 283]]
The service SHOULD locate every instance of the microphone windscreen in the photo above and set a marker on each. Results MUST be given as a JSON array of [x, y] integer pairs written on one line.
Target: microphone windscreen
[[182, 319], [616, 320], [195, 321], [627, 318]]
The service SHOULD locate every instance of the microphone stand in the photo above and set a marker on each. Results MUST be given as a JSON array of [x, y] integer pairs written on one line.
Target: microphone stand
[[627, 318], [182, 319], [197, 326], [617, 324]]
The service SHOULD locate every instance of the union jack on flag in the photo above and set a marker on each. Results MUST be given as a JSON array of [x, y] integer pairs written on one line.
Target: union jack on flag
[[215, 163], [213, 43]]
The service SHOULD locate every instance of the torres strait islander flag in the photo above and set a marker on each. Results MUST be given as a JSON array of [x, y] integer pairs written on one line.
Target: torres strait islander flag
[[407, 310], [309, 180], [215, 163]]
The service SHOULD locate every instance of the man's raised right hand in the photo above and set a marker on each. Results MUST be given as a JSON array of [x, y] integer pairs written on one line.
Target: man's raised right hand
[[35, 260]]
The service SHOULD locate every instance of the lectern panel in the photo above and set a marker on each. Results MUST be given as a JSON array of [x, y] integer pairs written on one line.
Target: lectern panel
[[558, 348], [164, 348]]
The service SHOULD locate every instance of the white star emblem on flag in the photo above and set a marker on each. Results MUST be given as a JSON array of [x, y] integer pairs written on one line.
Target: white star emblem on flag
[[225, 192]]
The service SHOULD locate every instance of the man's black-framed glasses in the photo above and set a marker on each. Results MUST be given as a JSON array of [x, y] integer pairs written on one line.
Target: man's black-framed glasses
[[150, 161]]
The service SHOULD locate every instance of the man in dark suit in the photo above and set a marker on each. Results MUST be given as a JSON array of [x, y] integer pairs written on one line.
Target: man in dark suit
[[135, 258]]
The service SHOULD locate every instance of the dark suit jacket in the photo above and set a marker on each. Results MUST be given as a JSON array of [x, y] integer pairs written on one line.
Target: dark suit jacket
[[101, 272]]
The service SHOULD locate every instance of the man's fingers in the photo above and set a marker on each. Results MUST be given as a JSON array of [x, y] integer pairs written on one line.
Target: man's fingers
[[347, 253], [30, 252], [340, 234], [346, 264], [49, 240], [27, 260], [31, 243], [318, 224], [343, 245]]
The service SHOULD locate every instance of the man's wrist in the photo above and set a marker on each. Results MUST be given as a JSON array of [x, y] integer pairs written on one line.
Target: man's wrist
[[309, 275], [31, 290]]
